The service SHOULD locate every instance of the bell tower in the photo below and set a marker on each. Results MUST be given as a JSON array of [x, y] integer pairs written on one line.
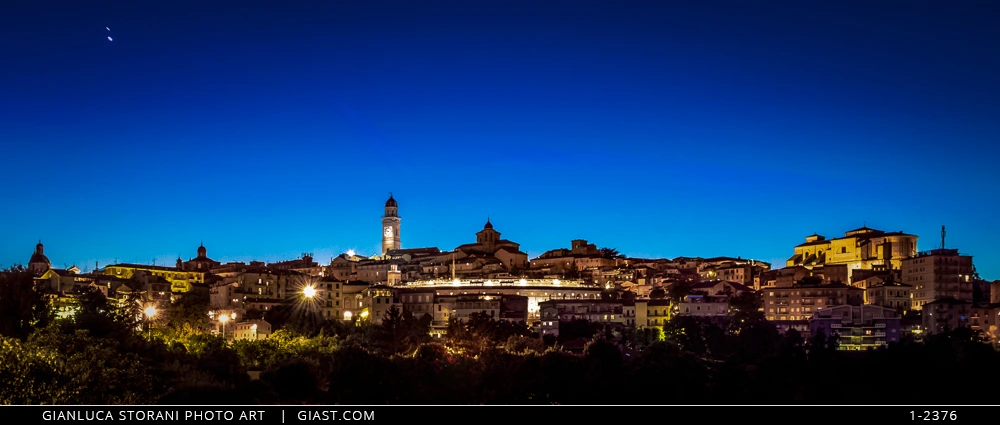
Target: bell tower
[[390, 226]]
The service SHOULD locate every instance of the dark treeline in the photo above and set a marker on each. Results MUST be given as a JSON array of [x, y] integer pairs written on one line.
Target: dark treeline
[[103, 356]]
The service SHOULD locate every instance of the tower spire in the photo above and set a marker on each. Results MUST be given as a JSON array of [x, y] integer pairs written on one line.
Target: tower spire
[[942, 237]]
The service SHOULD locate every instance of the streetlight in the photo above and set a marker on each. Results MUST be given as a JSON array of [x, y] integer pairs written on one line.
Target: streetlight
[[223, 319], [150, 312], [309, 291]]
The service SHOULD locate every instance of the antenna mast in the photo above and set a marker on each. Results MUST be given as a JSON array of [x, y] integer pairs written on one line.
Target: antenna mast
[[942, 237]]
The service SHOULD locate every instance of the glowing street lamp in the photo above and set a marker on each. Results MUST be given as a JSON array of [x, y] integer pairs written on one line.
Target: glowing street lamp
[[150, 313], [309, 292], [223, 319]]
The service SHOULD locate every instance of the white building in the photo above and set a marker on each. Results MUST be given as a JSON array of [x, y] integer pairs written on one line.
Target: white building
[[253, 330]]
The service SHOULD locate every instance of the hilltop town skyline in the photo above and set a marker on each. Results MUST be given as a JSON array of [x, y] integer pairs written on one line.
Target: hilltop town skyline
[[324, 255]]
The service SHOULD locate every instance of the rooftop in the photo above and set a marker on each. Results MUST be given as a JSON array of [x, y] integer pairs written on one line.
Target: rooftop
[[941, 251]]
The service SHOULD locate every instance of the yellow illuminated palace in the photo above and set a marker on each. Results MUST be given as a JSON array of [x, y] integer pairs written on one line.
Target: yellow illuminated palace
[[181, 278], [861, 248]]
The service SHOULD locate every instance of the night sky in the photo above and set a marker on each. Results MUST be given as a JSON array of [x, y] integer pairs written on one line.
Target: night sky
[[268, 129]]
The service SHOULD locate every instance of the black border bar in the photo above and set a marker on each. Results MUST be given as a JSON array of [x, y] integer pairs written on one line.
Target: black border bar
[[401, 414]]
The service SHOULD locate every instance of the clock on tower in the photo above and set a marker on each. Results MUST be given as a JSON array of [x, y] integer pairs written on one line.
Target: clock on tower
[[390, 226]]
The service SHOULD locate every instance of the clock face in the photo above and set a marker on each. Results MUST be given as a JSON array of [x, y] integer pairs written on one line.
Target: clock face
[[388, 232]]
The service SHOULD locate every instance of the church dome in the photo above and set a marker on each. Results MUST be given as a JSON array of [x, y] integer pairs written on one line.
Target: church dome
[[39, 256], [488, 224], [390, 202]]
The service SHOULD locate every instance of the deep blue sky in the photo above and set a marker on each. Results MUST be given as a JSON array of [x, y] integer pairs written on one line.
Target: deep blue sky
[[267, 129]]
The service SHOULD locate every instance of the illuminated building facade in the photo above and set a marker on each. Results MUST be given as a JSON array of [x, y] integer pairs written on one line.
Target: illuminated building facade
[[200, 263], [945, 314], [586, 258], [180, 280], [380, 301], [894, 295], [861, 248], [554, 312], [791, 307], [799, 302], [251, 330], [986, 319], [703, 306], [652, 313], [536, 290], [352, 301], [858, 327], [939, 273], [419, 302], [304, 265]]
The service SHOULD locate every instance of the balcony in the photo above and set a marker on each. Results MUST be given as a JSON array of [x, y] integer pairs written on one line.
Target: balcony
[[880, 325]]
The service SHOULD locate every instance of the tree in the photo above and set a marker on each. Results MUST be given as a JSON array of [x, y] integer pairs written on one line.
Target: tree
[[572, 272], [611, 253], [810, 281], [657, 294], [392, 328], [188, 315], [579, 328], [680, 290], [524, 344], [610, 294], [97, 315], [745, 311], [297, 381], [22, 306], [77, 369], [820, 343], [416, 331], [278, 316], [628, 296]]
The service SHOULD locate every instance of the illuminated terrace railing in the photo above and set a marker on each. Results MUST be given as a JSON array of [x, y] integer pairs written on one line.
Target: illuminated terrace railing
[[508, 283]]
